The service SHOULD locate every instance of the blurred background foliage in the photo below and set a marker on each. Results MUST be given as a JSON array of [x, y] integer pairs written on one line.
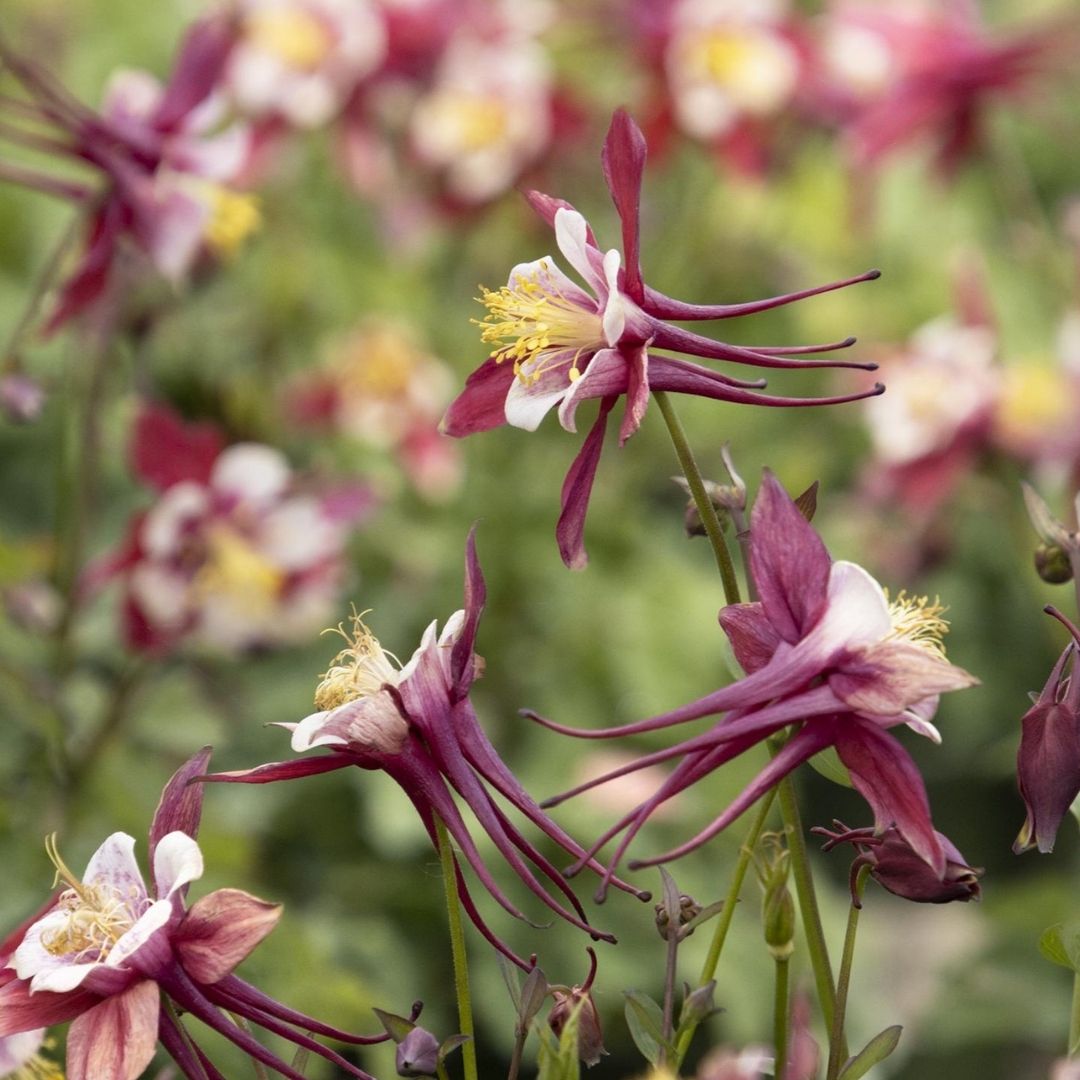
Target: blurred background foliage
[[633, 635]]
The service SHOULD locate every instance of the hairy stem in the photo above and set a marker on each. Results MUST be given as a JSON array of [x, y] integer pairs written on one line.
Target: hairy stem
[[457, 948], [701, 498]]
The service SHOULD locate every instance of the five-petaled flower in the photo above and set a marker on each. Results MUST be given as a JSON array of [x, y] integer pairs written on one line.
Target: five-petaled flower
[[108, 951], [826, 653], [895, 866], [416, 724], [557, 344]]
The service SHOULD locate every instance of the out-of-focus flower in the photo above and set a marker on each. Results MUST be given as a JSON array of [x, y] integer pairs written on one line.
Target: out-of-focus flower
[[379, 386], [231, 555], [298, 60], [21, 397], [558, 345], [487, 116], [417, 724], [936, 418], [803, 1054], [1048, 761], [109, 949], [896, 867], [823, 649], [579, 999], [904, 72], [1065, 1069], [168, 165], [751, 1063]]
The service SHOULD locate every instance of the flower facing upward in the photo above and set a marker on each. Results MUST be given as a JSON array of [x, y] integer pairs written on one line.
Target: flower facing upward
[[826, 651], [108, 950], [416, 723], [556, 344]]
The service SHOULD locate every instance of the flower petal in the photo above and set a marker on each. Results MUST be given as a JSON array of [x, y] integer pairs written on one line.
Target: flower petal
[[180, 806], [220, 930], [571, 234], [115, 1039], [607, 374], [177, 862], [623, 161], [481, 406], [570, 530]]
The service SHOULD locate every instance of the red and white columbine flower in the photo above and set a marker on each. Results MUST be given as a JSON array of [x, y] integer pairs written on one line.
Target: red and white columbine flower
[[416, 724], [298, 60], [108, 950], [558, 344], [231, 555], [826, 651], [169, 166]]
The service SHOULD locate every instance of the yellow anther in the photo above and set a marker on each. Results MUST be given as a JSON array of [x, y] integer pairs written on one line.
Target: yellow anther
[[918, 621], [235, 567], [359, 670], [234, 216], [293, 35]]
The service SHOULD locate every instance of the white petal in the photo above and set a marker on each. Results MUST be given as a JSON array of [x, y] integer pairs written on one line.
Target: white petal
[[177, 861], [528, 403], [161, 531], [149, 923], [856, 612], [306, 734], [571, 231], [114, 865], [16, 1049], [251, 471], [62, 978], [614, 310], [452, 628], [546, 272], [426, 642]]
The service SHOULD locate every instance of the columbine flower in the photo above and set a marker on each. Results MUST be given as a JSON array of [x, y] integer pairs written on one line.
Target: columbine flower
[[169, 169], [751, 1063], [416, 724], [896, 867], [300, 59], [823, 649], [557, 345], [230, 555], [109, 950], [1048, 761], [926, 71]]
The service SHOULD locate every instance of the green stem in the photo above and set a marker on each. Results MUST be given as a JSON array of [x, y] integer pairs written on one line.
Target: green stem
[[837, 1043], [780, 1013], [727, 913], [701, 498], [242, 1024], [1074, 1018], [457, 948], [808, 905], [670, 972]]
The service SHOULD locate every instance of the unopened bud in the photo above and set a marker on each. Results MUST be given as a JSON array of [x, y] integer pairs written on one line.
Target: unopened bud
[[417, 1054], [590, 1036], [1052, 564], [698, 1004], [778, 919], [689, 909], [21, 398]]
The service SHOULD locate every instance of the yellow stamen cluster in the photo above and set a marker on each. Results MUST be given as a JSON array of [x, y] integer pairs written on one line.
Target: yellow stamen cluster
[[478, 121], [918, 621], [97, 915], [725, 56], [38, 1068], [234, 217], [379, 362], [294, 36], [360, 670], [234, 566], [533, 316]]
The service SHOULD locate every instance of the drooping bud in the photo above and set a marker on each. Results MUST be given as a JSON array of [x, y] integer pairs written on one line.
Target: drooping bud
[[417, 1054], [578, 999], [1058, 547], [896, 867], [1052, 564]]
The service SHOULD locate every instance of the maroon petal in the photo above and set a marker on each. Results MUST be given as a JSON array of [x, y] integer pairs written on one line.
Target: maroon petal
[[192, 1061], [637, 390], [886, 777], [753, 638], [87, 283], [462, 658], [547, 206], [220, 931], [116, 1038], [197, 72], [623, 161], [788, 561], [166, 450], [180, 806], [481, 406], [22, 1011], [281, 770], [570, 530]]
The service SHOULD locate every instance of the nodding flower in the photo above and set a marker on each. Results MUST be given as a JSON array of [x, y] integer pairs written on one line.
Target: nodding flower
[[556, 344]]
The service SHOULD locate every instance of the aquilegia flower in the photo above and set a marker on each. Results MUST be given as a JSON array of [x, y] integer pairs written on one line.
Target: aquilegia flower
[[557, 344], [416, 724], [110, 952], [824, 650], [169, 168], [1048, 760], [231, 555]]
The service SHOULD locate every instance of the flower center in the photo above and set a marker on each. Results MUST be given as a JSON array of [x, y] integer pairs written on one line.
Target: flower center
[[360, 670], [293, 35], [379, 363], [97, 916], [918, 621], [234, 217], [233, 566], [469, 121], [1034, 400], [755, 67], [533, 316]]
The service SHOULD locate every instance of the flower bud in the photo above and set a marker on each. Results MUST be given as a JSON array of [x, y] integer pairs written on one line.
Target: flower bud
[[21, 398], [590, 1036], [417, 1054], [689, 909], [1052, 564], [777, 907]]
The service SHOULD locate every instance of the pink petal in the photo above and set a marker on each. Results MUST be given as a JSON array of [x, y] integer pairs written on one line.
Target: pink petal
[[481, 406], [20, 1010], [180, 806], [115, 1039], [462, 658], [197, 72], [220, 930], [606, 375], [753, 638], [637, 391]]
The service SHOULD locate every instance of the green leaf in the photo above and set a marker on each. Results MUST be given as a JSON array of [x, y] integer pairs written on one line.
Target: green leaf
[[873, 1053], [1060, 944], [645, 1019], [397, 1027], [558, 1058], [828, 763], [450, 1044], [512, 977]]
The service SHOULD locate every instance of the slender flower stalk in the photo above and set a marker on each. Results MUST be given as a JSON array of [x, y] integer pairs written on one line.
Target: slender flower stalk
[[837, 1050]]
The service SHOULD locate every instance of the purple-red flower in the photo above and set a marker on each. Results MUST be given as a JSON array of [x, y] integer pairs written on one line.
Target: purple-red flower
[[558, 344], [108, 950], [826, 653], [1048, 761], [416, 724], [895, 866]]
